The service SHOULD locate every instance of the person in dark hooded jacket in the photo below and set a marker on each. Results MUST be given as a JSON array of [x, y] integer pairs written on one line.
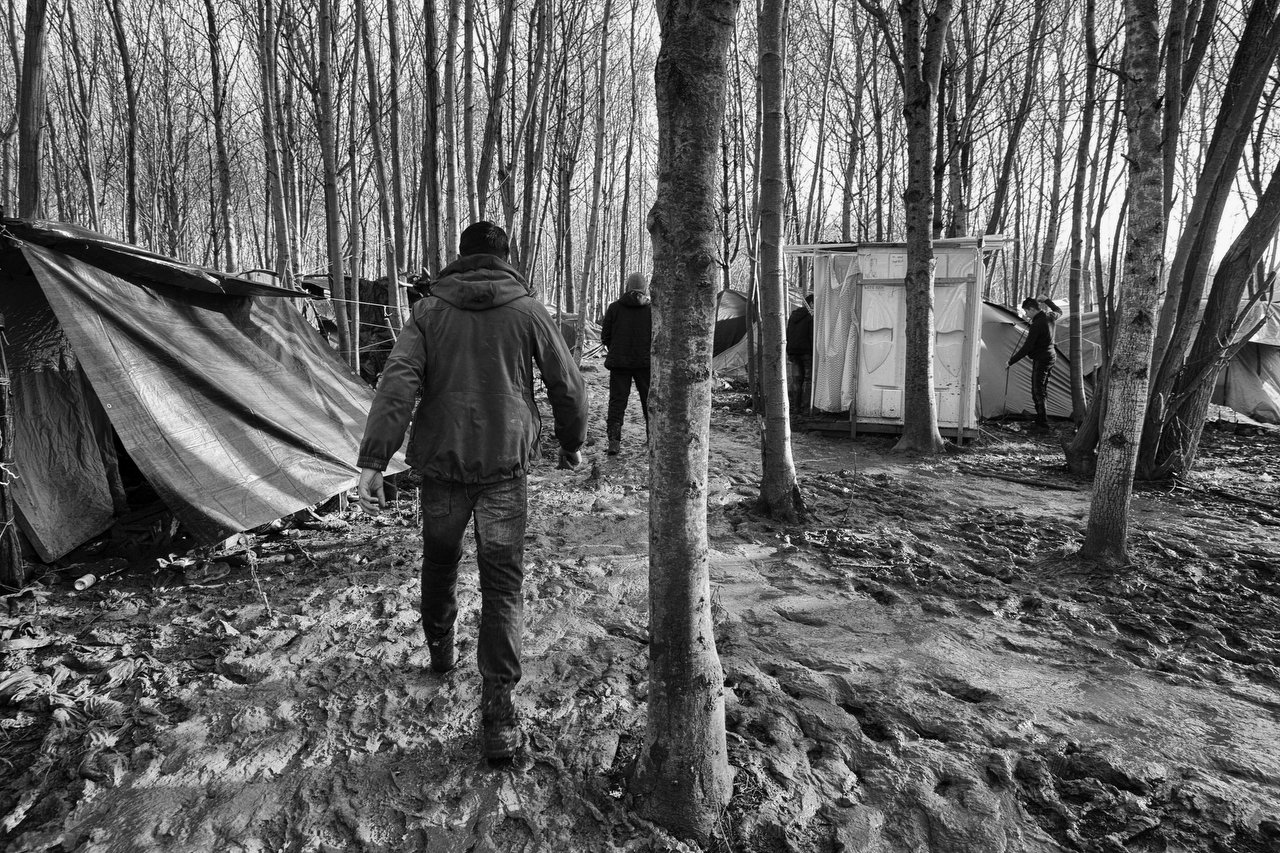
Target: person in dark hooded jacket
[[470, 349], [625, 333]]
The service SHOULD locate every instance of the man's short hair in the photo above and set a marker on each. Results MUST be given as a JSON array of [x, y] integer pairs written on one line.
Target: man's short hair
[[484, 238], [1029, 303], [809, 299]]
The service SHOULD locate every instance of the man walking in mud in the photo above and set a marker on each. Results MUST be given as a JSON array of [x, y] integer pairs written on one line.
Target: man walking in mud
[[1041, 314], [625, 332], [469, 349]]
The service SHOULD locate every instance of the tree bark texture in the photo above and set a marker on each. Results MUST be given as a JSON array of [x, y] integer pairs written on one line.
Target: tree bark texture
[[1076, 273], [131, 119], [1106, 536], [31, 104], [779, 494], [271, 141], [923, 40], [218, 98], [1189, 270], [329, 164], [597, 174], [682, 778], [1213, 347]]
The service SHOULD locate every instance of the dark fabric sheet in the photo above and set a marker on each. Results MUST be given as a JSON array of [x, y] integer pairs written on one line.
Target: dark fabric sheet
[[62, 491], [233, 407]]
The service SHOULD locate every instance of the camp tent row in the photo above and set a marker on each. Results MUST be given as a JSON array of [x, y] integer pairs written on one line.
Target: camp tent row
[[859, 350], [123, 362]]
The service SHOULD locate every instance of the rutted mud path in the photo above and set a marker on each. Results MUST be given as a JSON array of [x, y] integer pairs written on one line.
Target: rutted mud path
[[915, 668]]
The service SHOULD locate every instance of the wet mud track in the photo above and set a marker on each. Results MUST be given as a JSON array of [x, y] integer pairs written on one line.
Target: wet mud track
[[920, 665]]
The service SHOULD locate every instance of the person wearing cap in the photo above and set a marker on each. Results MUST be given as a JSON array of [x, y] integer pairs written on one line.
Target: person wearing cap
[[469, 349], [1041, 314], [800, 353], [625, 333]]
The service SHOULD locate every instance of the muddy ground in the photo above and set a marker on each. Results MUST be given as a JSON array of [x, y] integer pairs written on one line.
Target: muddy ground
[[920, 666]]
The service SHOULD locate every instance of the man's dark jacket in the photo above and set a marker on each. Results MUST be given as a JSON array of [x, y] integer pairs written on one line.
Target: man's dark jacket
[[470, 348], [626, 330], [1039, 343], [800, 333]]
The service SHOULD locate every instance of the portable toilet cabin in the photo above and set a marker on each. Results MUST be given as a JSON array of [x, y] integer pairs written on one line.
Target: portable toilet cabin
[[859, 334]]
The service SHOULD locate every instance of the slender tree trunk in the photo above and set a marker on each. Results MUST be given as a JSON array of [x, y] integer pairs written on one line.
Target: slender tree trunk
[[996, 221], [593, 224], [31, 115], [431, 250], [682, 777], [1214, 347], [218, 97], [131, 123], [493, 122], [1075, 295], [779, 494], [1188, 272], [399, 233], [329, 161], [1106, 536], [385, 190], [270, 139], [1044, 286], [451, 230], [469, 106], [919, 71]]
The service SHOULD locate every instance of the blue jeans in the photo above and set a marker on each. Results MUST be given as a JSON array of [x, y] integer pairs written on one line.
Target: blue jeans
[[499, 510]]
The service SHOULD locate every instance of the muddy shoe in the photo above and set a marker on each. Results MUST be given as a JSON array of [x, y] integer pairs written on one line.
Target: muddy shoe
[[499, 728], [615, 447], [444, 656]]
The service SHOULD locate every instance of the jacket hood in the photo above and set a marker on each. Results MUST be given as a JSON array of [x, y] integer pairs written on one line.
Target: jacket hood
[[635, 299], [479, 282]]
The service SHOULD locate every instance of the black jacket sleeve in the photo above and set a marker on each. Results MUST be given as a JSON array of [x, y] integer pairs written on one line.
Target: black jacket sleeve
[[565, 388], [606, 325], [1037, 339]]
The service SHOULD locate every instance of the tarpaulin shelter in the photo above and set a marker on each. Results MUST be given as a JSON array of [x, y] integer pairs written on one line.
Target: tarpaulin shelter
[[231, 406], [1007, 390], [1251, 382]]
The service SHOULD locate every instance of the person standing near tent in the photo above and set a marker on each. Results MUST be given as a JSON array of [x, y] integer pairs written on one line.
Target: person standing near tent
[[800, 352], [469, 348], [1041, 314], [625, 332]]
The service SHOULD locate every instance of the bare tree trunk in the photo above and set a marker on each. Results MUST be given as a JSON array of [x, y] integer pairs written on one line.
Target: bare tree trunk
[[996, 220], [1076, 336], [1048, 252], [399, 233], [1106, 536], [779, 494], [329, 161], [593, 224], [919, 69], [431, 250], [451, 230], [271, 141], [1188, 272], [395, 304], [493, 122], [355, 214], [469, 106], [634, 117], [218, 97], [682, 777], [31, 113], [86, 76], [1214, 347], [132, 124]]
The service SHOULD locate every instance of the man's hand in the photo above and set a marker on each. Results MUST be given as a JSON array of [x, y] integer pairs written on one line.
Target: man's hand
[[569, 459], [370, 491]]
